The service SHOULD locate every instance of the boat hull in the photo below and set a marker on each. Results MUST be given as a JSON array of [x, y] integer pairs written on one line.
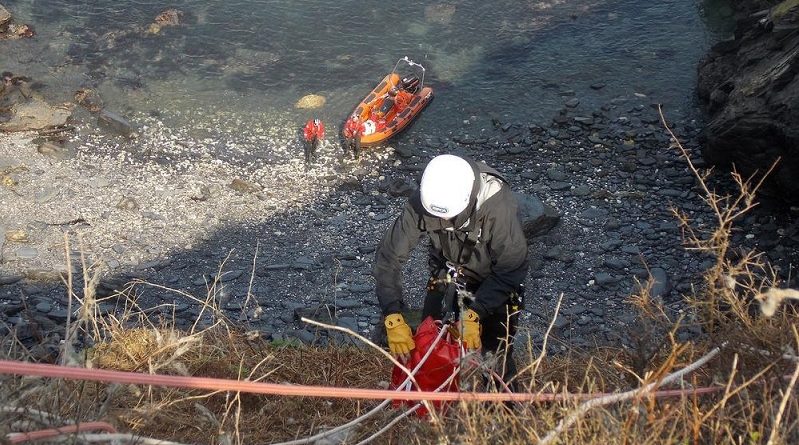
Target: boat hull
[[397, 119]]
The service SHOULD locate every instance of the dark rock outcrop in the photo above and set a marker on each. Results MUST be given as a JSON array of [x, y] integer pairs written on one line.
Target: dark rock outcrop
[[749, 89], [536, 216]]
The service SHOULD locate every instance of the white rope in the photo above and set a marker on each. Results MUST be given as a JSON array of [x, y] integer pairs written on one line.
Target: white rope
[[374, 410], [407, 413], [586, 406]]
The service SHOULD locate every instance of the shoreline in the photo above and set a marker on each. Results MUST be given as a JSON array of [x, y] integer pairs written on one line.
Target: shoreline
[[173, 224]]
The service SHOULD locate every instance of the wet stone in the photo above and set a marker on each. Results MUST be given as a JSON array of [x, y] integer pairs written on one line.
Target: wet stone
[[604, 279], [593, 214], [581, 190], [670, 192], [574, 310], [27, 253], [559, 253], [561, 322], [632, 250], [596, 139], [292, 305], [51, 150], [611, 245], [303, 263], [616, 264], [647, 161], [127, 203], [531, 175], [359, 288], [58, 314], [43, 307], [560, 186], [662, 284], [45, 195], [10, 279], [366, 249], [597, 310], [11, 309], [230, 275], [5, 16], [147, 265], [303, 335], [323, 312], [115, 123], [243, 186], [348, 323], [405, 152], [556, 174], [347, 303]]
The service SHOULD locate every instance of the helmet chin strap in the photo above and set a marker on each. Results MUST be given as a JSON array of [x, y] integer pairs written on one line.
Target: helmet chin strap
[[466, 215]]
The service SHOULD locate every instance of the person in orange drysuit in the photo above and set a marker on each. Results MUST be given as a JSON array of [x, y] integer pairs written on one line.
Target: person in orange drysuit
[[313, 132], [401, 99], [353, 130]]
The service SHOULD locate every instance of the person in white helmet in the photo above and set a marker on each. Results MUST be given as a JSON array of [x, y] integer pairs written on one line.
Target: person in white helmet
[[469, 213]]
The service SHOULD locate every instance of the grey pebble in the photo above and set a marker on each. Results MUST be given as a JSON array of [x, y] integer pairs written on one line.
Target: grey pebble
[[27, 252]]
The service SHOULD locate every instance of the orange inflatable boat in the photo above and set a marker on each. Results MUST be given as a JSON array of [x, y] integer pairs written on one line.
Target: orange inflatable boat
[[393, 104]]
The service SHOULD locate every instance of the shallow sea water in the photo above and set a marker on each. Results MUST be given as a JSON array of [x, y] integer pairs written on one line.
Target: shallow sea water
[[238, 63]]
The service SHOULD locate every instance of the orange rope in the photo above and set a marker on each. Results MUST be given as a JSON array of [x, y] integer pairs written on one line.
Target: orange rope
[[214, 384], [55, 432]]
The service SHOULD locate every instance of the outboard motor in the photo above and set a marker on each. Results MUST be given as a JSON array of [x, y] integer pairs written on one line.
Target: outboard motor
[[410, 84]]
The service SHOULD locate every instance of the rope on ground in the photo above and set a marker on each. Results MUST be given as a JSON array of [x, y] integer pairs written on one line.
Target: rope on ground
[[43, 417], [124, 438], [55, 432]]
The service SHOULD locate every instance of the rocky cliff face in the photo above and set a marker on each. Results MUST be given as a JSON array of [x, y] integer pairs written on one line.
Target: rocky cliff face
[[749, 89]]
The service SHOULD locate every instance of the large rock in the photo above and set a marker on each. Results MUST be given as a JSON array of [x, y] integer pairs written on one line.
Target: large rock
[[750, 90], [440, 14], [311, 101], [36, 114], [168, 17], [537, 217], [5, 16], [116, 123]]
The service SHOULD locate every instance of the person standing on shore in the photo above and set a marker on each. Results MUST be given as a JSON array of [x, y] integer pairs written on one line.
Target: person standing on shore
[[353, 130], [313, 132], [477, 244]]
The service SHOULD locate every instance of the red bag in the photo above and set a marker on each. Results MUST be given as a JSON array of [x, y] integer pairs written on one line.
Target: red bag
[[436, 370]]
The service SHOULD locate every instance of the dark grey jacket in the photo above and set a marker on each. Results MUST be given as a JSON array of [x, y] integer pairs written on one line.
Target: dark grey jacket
[[498, 261]]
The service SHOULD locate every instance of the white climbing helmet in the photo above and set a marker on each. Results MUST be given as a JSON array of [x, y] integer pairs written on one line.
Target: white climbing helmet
[[446, 186]]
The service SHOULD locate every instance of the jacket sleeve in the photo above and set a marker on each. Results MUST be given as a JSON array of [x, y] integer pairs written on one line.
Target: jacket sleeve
[[392, 253], [507, 247]]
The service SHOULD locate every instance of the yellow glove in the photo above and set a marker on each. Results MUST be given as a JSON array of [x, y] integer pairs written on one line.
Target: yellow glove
[[400, 337], [471, 330]]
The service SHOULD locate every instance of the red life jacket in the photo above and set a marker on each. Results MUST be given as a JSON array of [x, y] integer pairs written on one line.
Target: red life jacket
[[402, 100], [311, 131], [353, 128]]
